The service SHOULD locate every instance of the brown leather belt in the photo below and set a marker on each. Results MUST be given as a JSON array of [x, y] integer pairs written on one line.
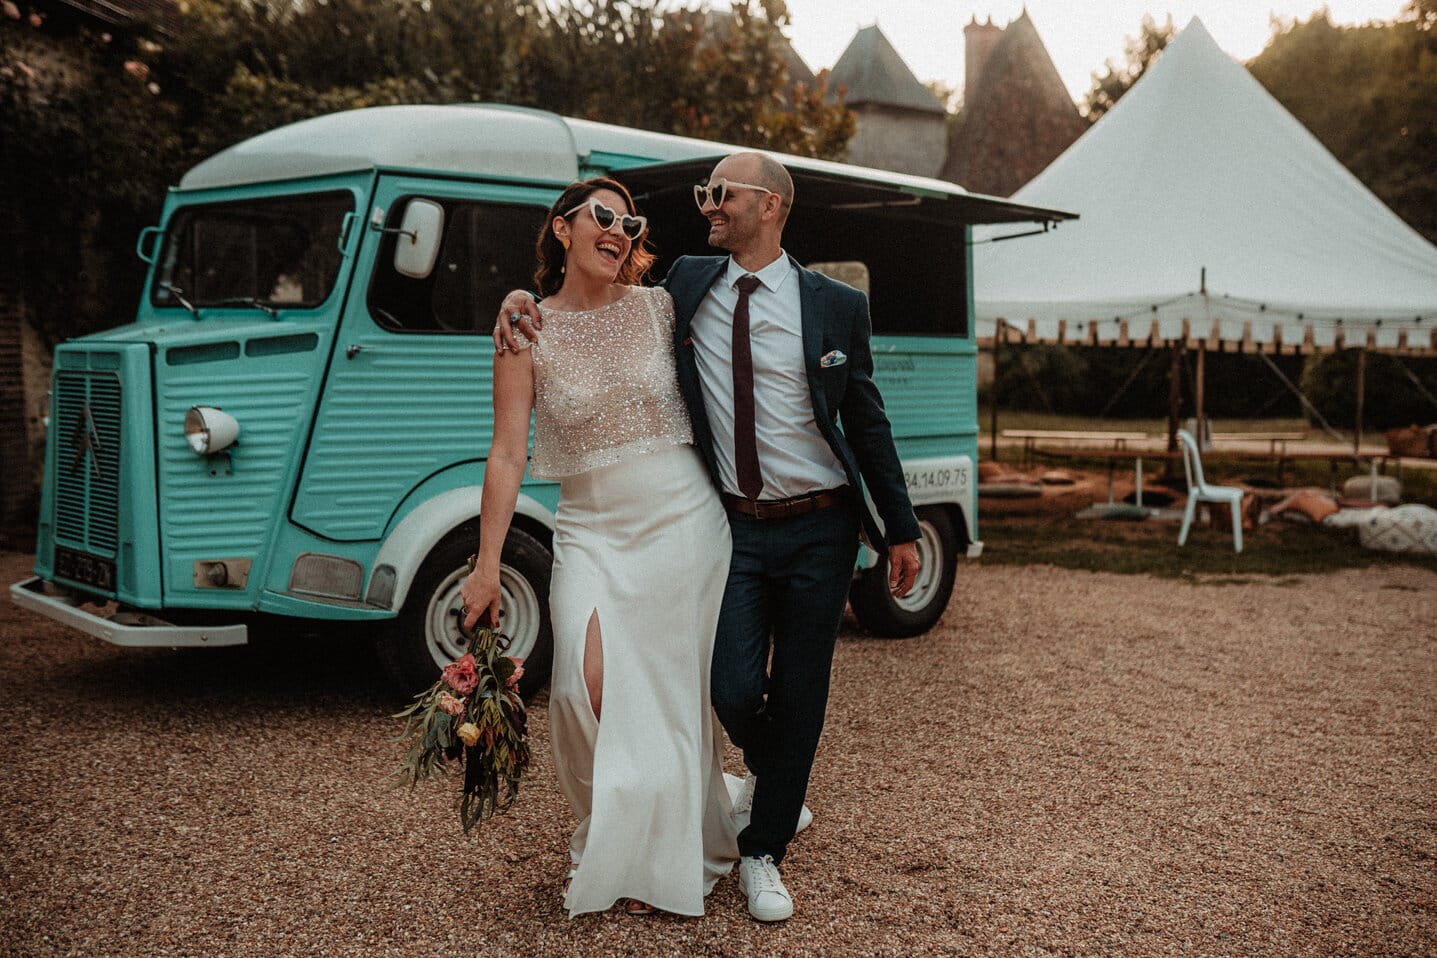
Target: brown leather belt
[[786, 508]]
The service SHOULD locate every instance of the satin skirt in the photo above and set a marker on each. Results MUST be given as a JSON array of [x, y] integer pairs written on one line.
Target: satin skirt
[[642, 546]]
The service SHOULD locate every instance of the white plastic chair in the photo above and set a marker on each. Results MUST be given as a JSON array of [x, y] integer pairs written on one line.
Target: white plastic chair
[[1200, 491]]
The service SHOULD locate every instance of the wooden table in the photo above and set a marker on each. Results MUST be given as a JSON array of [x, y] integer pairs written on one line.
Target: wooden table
[[1112, 455], [1372, 460], [1284, 460], [1031, 437]]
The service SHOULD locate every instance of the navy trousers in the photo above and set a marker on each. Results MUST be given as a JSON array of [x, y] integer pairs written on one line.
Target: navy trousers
[[786, 590]]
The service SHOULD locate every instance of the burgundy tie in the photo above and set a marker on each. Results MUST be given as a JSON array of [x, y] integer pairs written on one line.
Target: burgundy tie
[[745, 445]]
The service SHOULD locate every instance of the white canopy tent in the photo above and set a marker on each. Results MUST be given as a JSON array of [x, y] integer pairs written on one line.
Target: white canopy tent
[[1208, 214]]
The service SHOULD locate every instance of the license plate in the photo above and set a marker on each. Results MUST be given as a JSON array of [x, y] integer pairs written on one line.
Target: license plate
[[85, 569]]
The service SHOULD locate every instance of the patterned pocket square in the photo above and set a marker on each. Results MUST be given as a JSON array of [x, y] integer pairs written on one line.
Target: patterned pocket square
[[835, 358]]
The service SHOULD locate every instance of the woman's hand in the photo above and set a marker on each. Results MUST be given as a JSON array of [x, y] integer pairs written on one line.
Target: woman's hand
[[480, 593], [518, 309]]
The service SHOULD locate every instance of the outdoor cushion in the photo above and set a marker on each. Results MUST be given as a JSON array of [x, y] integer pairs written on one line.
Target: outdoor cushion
[[1309, 503], [1415, 441], [1409, 528], [1386, 489], [1351, 518]]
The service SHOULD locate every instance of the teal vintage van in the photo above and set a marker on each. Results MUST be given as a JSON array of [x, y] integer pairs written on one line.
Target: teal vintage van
[[296, 422]]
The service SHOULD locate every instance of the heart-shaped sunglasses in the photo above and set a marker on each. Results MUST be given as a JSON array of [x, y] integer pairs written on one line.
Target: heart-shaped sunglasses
[[718, 192], [632, 226]]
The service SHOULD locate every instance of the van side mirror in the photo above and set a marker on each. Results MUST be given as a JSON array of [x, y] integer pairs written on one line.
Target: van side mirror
[[419, 236]]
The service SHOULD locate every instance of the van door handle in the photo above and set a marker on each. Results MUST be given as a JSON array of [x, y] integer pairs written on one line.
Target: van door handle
[[354, 349], [344, 225]]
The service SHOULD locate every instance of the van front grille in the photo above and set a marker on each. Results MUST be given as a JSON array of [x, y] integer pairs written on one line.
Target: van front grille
[[87, 461]]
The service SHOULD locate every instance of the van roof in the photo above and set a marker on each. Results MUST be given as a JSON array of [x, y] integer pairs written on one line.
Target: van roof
[[487, 139], [475, 139], [479, 139]]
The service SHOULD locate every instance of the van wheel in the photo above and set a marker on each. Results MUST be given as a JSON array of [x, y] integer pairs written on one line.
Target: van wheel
[[881, 613], [425, 636]]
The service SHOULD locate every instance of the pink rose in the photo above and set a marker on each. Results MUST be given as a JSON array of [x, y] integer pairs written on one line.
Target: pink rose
[[462, 676], [448, 703], [518, 672]]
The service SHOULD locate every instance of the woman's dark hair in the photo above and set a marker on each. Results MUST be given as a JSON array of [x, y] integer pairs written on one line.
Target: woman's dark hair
[[549, 252]]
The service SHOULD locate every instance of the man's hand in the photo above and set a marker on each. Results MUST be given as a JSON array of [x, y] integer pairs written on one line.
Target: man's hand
[[903, 566], [518, 309]]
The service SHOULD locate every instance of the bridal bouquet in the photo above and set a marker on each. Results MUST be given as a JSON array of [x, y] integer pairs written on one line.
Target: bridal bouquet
[[472, 716]]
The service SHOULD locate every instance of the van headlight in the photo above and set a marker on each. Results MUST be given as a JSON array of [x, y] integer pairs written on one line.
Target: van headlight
[[209, 429]]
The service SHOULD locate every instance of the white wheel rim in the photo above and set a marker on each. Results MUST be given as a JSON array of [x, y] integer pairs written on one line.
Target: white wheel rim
[[930, 576], [519, 601]]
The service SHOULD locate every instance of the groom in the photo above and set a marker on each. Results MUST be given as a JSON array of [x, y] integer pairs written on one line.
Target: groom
[[773, 361]]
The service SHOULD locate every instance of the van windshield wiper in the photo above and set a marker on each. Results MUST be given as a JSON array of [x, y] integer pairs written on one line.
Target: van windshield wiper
[[254, 301], [179, 296]]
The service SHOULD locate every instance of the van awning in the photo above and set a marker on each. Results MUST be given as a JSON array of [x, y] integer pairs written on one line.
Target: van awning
[[836, 186]]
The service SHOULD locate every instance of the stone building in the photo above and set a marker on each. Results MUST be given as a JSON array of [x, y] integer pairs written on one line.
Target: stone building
[[1017, 115], [901, 125]]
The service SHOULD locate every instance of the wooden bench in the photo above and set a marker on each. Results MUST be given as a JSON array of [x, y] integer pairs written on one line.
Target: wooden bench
[[1276, 441]]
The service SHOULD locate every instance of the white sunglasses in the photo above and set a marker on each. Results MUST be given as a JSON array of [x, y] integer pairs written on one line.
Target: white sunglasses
[[718, 192], [632, 226]]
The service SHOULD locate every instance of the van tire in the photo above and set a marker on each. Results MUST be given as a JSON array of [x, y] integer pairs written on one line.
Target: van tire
[[425, 636], [880, 613]]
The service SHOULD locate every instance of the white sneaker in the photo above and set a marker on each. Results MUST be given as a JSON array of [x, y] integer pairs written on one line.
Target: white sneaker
[[741, 792], [768, 900]]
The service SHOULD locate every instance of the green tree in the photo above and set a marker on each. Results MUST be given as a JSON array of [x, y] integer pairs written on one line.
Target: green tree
[[1423, 13], [94, 126], [634, 62], [1369, 94], [87, 147], [1117, 78]]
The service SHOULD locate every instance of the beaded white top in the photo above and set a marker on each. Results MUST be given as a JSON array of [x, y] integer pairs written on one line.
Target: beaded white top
[[604, 384]]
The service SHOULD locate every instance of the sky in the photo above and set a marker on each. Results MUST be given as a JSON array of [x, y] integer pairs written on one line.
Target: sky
[[1079, 34]]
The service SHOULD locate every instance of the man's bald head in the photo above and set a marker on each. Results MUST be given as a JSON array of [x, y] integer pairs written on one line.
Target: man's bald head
[[763, 170]]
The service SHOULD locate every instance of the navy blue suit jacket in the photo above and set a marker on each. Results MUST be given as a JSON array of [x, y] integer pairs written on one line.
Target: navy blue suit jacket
[[846, 404]]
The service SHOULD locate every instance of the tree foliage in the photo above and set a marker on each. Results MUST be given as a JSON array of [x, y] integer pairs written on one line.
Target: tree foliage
[[1139, 53], [95, 125], [1369, 94]]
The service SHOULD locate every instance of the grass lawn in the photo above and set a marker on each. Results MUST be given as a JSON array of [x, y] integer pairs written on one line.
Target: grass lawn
[[1280, 548], [1027, 531]]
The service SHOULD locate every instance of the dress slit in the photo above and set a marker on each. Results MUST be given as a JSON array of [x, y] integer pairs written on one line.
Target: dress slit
[[594, 645]]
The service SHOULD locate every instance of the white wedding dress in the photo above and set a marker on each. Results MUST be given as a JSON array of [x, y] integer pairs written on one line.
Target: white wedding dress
[[642, 545]]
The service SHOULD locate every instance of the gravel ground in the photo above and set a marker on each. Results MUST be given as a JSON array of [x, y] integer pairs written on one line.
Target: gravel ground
[[1071, 763]]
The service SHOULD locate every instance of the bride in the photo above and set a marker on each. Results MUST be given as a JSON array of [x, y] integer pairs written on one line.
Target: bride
[[641, 554]]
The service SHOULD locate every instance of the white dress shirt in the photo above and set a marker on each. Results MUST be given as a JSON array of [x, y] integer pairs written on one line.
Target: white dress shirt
[[793, 456]]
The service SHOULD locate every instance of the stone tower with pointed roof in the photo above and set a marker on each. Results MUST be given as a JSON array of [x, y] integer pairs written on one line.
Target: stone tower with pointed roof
[[1017, 115], [900, 125]]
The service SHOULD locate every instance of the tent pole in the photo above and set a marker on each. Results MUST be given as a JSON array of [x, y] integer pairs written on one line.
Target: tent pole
[[999, 335], [1200, 413], [1198, 399], [1175, 375], [1361, 393]]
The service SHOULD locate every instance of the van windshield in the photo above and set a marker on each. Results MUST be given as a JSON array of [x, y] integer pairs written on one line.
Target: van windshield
[[276, 251]]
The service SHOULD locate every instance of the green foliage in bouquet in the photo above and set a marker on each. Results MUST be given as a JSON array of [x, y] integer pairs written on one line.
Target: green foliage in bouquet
[[474, 716]]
